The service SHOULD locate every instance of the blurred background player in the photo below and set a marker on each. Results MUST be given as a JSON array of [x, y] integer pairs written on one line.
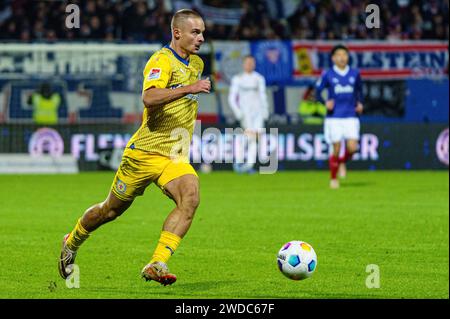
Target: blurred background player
[[170, 96], [344, 104], [248, 100]]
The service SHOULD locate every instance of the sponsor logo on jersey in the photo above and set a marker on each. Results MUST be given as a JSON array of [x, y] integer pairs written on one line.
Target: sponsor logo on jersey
[[193, 97], [248, 88], [343, 89]]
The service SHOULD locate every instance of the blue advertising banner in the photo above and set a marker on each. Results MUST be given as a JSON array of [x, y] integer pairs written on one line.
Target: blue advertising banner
[[273, 60]]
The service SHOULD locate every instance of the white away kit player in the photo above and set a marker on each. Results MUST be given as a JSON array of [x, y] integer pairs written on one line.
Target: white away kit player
[[248, 101]]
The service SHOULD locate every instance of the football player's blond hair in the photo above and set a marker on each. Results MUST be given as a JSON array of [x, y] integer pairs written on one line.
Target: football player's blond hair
[[181, 15]]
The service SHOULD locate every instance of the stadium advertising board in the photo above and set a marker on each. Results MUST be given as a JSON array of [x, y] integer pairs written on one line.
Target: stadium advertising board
[[227, 61], [299, 60], [103, 81], [397, 146], [406, 59], [273, 60]]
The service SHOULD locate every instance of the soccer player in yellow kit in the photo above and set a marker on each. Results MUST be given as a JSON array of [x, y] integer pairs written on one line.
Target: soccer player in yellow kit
[[158, 151]]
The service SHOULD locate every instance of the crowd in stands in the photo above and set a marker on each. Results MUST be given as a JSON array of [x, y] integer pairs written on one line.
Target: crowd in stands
[[149, 20]]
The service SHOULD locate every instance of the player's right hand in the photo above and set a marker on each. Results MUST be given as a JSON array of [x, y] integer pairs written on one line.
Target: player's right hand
[[330, 105], [201, 86]]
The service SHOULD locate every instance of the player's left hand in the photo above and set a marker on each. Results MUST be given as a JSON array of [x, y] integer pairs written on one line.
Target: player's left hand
[[201, 86], [359, 108]]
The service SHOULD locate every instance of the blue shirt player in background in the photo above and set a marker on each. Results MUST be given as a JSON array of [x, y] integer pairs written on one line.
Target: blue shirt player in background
[[344, 105]]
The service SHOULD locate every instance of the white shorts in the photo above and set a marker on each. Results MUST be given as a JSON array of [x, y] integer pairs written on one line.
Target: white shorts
[[338, 129], [252, 123]]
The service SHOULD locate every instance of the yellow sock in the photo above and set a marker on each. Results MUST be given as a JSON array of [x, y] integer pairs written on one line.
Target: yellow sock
[[77, 236], [167, 244]]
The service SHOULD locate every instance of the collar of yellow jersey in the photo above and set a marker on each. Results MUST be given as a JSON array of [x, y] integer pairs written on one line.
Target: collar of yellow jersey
[[185, 61]]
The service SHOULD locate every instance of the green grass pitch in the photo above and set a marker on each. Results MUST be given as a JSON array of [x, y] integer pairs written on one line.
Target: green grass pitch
[[396, 220]]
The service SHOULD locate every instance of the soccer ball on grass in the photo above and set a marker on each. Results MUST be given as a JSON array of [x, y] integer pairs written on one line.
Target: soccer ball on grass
[[297, 260]]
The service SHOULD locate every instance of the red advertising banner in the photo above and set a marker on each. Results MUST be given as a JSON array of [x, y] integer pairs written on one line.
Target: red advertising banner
[[375, 59]]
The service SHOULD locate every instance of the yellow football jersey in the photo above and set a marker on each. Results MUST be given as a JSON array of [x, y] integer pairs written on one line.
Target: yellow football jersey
[[164, 127]]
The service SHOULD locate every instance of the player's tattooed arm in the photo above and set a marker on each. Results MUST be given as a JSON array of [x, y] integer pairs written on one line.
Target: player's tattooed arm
[[157, 97]]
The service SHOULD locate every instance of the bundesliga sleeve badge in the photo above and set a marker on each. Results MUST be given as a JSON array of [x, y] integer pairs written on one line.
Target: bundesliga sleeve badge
[[154, 74]]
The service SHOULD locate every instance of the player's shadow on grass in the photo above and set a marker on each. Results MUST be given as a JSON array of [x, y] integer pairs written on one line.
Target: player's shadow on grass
[[356, 184], [207, 285], [192, 287]]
